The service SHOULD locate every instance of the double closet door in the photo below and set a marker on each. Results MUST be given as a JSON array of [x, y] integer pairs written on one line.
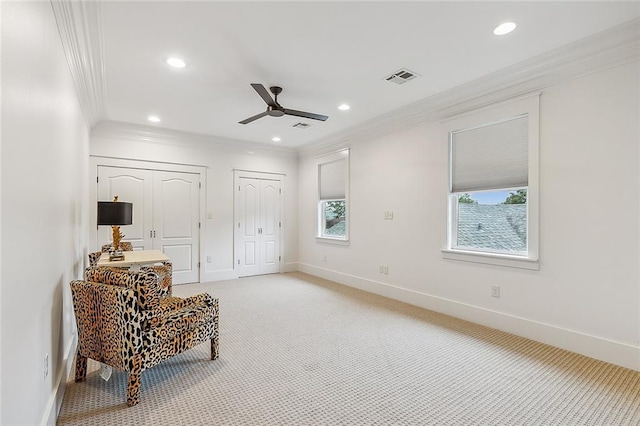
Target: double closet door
[[257, 233], [166, 207]]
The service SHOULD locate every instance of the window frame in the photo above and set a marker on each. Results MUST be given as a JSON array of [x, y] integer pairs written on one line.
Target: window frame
[[529, 105], [343, 154]]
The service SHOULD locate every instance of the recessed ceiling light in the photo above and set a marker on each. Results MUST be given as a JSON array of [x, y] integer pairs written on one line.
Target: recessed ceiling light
[[276, 139], [344, 107], [153, 118], [176, 62], [504, 28]]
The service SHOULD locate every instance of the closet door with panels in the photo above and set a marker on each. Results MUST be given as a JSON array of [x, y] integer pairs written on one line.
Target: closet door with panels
[[131, 186], [258, 226], [176, 222], [165, 214]]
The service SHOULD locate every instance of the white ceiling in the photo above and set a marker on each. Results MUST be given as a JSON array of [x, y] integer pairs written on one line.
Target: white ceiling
[[321, 53]]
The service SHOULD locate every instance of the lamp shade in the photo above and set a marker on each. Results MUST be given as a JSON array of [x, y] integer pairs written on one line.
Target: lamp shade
[[115, 213]]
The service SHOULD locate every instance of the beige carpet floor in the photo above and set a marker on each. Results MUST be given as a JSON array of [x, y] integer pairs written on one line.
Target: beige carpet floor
[[298, 350]]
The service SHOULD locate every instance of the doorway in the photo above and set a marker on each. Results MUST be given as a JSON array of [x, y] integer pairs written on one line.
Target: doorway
[[258, 224]]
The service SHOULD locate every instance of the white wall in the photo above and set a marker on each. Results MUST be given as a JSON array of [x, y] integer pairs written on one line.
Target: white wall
[[44, 212], [220, 157], [584, 298]]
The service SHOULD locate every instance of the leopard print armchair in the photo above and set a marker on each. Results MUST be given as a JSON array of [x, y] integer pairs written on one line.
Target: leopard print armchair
[[124, 320]]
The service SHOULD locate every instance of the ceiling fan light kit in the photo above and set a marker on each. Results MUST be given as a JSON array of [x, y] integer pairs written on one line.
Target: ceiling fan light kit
[[274, 109]]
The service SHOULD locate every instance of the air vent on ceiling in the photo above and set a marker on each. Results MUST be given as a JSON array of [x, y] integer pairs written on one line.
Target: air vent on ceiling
[[302, 125], [401, 76]]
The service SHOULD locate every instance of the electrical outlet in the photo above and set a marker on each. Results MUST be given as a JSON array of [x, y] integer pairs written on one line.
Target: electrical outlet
[[46, 366], [495, 291], [324, 259], [384, 269], [208, 259]]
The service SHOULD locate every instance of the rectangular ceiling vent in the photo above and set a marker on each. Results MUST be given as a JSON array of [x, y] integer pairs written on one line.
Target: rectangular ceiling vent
[[401, 76], [302, 125]]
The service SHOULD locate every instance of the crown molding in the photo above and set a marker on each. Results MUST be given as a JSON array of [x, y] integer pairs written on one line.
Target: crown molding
[[163, 136], [607, 49], [80, 27]]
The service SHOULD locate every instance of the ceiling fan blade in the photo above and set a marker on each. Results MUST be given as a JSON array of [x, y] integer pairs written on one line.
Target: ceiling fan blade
[[255, 117], [264, 94], [305, 114]]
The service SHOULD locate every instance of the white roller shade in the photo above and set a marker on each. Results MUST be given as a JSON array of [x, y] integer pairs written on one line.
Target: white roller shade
[[491, 157], [332, 180]]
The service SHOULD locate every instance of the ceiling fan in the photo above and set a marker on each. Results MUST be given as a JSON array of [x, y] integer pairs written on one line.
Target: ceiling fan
[[274, 109]]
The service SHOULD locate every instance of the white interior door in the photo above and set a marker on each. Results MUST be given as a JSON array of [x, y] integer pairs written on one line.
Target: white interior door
[[176, 222], [258, 226], [269, 230], [132, 186], [247, 232], [166, 214]]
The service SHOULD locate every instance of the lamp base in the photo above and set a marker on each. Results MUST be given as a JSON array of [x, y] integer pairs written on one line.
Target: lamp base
[[116, 255]]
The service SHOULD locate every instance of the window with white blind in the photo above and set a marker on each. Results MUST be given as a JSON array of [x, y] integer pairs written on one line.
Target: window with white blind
[[333, 172], [493, 193]]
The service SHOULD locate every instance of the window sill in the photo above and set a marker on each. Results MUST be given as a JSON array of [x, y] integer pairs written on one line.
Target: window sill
[[492, 259], [336, 241]]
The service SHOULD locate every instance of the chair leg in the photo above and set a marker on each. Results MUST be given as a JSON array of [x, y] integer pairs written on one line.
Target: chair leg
[[81, 367], [216, 332], [214, 348], [133, 388]]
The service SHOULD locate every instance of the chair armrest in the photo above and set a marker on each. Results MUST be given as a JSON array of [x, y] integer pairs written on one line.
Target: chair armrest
[[175, 307], [177, 315], [108, 320]]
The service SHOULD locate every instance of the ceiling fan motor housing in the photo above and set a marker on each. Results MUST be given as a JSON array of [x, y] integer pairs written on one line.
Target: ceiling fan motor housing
[[275, 111]]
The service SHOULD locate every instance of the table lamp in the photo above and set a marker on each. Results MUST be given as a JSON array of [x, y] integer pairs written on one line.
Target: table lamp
[[115, 213]]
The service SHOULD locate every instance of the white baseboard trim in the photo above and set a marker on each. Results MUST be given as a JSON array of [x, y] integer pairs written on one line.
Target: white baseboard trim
[[225, 274], [618, 353], [232, 274], [54, 403]]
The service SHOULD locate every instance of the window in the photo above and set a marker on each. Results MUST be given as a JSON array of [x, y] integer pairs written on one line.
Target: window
[[333, 173], [492, 221], [493, 186], [333, 218]]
